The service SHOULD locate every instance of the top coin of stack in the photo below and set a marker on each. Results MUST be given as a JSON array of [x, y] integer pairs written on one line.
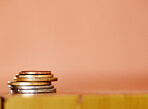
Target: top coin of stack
[[32, 82]]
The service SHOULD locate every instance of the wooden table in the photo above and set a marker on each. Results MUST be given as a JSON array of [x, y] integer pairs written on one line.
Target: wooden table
[[76, 101]]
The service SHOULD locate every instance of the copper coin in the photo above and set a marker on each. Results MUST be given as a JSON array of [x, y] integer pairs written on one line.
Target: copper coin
[[28, 83], [35, 72], [34, 79], [34, 76]]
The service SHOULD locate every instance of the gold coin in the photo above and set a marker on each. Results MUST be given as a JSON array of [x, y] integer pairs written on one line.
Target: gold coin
[[34, 76], [34, 79], [28, 83], [35, 72]]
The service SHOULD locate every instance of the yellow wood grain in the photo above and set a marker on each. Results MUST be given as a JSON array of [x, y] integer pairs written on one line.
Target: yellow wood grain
[[120, 101], [115, 102], [41, 102]]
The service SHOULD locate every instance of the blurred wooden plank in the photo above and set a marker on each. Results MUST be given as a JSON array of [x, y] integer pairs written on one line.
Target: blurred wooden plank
[[108, 101], [139, 101], [41, 102], [115, 101], [102, 102]]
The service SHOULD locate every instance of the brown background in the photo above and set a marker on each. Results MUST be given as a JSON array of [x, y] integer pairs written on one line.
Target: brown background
[[90, 45]]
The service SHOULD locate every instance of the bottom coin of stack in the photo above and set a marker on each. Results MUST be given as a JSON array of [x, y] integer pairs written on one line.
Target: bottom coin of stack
[[32, 82]]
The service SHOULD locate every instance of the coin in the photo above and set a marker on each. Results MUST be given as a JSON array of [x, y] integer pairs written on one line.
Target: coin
[[28, 83], [32, 82], [34, 76], [53, 90], [31, 87], [34, 79], [35, 72]]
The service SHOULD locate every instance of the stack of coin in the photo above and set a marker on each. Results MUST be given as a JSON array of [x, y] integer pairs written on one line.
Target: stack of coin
[[32, 82]]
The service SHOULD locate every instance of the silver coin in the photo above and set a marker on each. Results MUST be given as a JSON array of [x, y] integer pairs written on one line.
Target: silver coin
[[53, 90], [30, 87]]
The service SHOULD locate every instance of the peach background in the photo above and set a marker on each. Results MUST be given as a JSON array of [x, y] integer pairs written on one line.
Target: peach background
[[90, 45]]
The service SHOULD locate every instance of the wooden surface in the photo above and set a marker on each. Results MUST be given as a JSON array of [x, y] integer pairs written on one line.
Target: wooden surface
[[41, 102], [115, 102], [99, 101]]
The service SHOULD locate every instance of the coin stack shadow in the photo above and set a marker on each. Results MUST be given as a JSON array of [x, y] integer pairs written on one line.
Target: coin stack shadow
[[32, 82]]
